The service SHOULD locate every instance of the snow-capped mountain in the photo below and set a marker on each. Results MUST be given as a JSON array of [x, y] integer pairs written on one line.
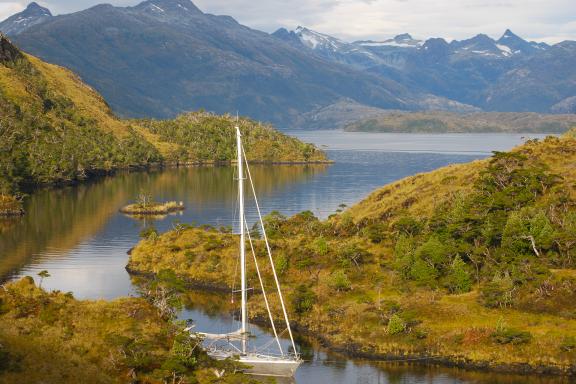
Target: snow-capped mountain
[[34, 14], [516, 45], [317, 40], [401, 41], [379, 52], [329, 47]]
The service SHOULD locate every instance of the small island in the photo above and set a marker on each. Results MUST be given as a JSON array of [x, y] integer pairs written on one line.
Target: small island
[[146, 206], [10, 206]]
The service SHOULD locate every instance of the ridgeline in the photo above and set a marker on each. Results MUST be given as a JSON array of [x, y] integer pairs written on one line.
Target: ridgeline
[[479, 122], [471, 265], [56, 129]]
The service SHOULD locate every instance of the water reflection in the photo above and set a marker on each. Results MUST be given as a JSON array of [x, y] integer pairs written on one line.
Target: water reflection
[[84, 219]]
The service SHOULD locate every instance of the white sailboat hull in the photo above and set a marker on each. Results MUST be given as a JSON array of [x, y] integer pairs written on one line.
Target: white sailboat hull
[[281, 368], [262, 365]]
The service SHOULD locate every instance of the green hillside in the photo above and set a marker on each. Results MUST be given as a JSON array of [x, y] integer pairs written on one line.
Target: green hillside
[[472, 264], [56, 129]]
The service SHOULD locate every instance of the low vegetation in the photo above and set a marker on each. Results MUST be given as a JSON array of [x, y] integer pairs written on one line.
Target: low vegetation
[[471, 264], [202, 137], [480, 122], [50, 337], [145, 205], [56, 129], [10, 206]]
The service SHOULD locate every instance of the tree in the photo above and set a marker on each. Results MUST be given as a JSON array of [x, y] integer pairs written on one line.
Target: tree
[[43, 275], [458, 279], [303, 299]]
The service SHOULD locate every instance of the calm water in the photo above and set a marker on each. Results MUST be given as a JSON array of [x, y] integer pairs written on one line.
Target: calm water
[[77, 234]]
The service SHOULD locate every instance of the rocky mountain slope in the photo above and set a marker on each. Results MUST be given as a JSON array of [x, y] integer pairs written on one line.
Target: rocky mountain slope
[[163, 57]]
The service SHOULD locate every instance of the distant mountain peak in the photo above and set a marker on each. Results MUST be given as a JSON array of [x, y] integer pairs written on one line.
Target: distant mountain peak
[[32, 15], [163, 6], [404, 40], [314, 40], [518, 44], [37, 9], [509, 34], [403, 36]]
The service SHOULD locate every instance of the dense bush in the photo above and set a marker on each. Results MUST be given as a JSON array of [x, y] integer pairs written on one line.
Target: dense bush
[[515, 220], [511, 336], [303, 299]]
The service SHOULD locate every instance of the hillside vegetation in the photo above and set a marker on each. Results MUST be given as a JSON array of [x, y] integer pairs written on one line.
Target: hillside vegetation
[[50, 337], [54, 128], [445, 122], [472, 265]]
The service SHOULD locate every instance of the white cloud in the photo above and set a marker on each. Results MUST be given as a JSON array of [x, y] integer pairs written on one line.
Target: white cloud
[[542, 20], [8, 8]]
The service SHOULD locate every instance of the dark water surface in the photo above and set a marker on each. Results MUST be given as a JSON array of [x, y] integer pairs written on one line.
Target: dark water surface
[[77, 234]]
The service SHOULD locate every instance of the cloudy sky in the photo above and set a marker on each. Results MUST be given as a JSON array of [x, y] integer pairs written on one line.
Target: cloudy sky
[[542, 20]]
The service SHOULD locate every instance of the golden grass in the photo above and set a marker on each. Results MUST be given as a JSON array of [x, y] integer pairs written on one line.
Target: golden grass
[[152, 208]]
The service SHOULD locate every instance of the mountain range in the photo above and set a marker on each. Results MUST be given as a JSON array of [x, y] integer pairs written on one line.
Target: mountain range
[[163, 57]]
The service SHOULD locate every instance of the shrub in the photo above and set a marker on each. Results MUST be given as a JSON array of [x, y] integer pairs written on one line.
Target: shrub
[[183, 355], [408, 225], [505, 335], [423, 273], [568, 344], [339, 281], [303, 299], [376, 233], [458, 279], [351, 254], [498, 293], [396, 325], [320, 246], [212, 243], [433, 251], [149, 233], [282, 264]]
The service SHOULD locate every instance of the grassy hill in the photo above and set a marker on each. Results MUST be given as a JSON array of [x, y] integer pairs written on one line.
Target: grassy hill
[[50, 337], [446, 122], [471, 265], [55, 129]]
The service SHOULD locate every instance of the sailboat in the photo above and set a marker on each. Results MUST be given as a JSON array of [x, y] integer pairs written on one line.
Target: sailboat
[[235, 345]]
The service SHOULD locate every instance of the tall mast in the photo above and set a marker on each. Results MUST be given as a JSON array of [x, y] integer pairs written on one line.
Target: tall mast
[[242, 235]]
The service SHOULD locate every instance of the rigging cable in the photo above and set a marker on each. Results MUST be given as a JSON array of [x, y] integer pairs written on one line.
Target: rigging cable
[[263, 290]]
